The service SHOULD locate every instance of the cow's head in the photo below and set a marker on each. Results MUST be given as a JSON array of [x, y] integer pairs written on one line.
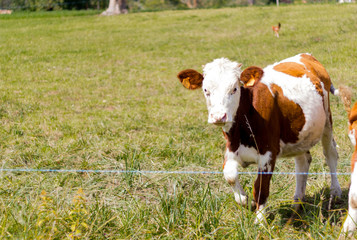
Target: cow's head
[[221, 86]]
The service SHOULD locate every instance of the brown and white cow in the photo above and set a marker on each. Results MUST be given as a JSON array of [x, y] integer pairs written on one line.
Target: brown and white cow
[[351, 220], [279, 111]]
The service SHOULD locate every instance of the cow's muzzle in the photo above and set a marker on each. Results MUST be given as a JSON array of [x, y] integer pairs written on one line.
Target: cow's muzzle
[[218, 119]]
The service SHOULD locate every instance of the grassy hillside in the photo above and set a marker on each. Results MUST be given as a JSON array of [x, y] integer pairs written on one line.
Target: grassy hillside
[[80, 91]]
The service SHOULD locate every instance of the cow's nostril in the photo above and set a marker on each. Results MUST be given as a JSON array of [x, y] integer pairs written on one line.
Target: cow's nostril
[[218, 118], [224, 118]]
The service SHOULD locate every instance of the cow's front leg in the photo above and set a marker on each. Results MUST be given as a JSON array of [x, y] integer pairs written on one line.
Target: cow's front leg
[[230, 170], [351, 222], [261, 187]]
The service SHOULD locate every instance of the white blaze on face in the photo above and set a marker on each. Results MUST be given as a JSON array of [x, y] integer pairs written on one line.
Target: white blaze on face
[[222, 90]]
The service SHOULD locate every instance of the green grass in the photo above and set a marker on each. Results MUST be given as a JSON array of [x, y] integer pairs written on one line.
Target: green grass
[[81, 91]]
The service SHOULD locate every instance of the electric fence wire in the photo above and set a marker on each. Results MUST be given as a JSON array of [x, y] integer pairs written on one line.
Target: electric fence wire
[[158, 172]]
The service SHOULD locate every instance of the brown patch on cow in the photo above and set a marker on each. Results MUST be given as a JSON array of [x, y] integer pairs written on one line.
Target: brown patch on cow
[[224, 162], [261, 189], [257, 112], [354, 159], [263, 101], [228, 142], [353, 125], [251, 76], [317, 83], [293, 116], [225, 134], [262, 184], [315, 68], [353, 115], [190, 79], [227, 147], [298, 70], [291, 68]]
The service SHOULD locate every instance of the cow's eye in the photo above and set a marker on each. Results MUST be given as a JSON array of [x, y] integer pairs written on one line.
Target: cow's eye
[[234, 91], [206, 92]]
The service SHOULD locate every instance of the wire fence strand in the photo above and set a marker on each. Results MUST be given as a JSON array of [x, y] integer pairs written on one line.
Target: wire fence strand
[[159, 172]]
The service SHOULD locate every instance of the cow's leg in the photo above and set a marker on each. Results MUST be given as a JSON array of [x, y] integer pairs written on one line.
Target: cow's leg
[[330, 152], [351, 221], [302, 164], [261, 188], [230, 170]]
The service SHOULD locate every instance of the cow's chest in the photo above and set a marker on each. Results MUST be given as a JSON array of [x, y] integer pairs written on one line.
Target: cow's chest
[[245, 156]]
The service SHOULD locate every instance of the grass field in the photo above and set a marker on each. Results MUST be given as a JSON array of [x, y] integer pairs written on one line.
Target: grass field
[[80, 91]]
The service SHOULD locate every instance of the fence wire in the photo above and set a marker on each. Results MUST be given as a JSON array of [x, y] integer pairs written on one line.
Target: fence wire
[[160, 172]]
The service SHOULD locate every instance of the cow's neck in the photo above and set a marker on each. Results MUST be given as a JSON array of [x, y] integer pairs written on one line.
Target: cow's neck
[[241, 131]]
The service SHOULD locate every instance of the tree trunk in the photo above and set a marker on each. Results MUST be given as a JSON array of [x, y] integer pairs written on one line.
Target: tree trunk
[[123, 7], [116, 7], [190, 3]]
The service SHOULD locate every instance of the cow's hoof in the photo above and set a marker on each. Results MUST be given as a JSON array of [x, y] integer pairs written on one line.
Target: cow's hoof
[[244, 201], [296, 207], [241, 199], [260, 218], [297, 204], [336, 192]]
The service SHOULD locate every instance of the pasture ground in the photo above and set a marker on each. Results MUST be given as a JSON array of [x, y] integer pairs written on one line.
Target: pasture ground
[[81, 91]]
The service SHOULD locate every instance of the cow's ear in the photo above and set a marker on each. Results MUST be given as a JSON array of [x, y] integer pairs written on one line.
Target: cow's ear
[[190, 79], [251, 76]]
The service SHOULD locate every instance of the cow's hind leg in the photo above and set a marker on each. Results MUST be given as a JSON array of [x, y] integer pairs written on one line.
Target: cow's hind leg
[[330, 152], [302, 164]]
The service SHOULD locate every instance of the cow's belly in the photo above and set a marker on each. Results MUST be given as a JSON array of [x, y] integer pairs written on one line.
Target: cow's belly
[[290, 150], [310, 134]]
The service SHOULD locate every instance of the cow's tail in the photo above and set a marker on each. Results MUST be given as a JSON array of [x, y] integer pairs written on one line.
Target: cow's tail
[[334, 91], [346, 96]]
